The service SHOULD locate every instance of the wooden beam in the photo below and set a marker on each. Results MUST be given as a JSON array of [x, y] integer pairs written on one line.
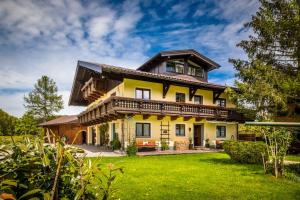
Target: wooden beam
[[160, 117], [187, 118], [145, 117], [174, 117], [166, 87], [192, 92], [216, 95], [198, 119]]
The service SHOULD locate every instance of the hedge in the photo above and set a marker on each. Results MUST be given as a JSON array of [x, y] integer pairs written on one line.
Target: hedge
[[246, 152]]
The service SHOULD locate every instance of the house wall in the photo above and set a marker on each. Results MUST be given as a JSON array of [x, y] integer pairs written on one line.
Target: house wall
[[127, 89], [68, 130], [157, 94]]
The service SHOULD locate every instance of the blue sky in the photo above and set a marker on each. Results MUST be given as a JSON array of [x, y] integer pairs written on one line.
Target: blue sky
[[48, 37]]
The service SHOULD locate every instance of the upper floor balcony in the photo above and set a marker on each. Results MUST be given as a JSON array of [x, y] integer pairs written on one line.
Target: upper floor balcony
[[116, 107]]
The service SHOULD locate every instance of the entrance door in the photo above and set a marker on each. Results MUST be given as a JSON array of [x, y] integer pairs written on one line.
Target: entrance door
[[197, 135]]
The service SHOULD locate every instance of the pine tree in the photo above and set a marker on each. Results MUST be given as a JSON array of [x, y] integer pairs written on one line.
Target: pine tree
[[270, 78], [43, 101]]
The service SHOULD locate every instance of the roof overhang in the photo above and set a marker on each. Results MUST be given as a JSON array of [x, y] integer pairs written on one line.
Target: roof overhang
[[84, 72], [110, 74], [189, 53]]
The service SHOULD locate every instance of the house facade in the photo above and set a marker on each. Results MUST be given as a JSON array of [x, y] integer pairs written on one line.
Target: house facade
[[168, 98]]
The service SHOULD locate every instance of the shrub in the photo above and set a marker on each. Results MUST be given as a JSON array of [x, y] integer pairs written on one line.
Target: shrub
[[115, 144], [164, 145], [246, 152], [32, 170], [131, 149]]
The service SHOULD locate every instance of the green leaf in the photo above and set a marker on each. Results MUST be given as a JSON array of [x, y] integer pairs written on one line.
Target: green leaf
[[31, 192]]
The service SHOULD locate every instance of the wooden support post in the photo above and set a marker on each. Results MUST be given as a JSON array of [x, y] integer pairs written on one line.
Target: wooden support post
[[160, 117], [166, 87], [192, 92], [145, 117], [122, 135], [174, 118]]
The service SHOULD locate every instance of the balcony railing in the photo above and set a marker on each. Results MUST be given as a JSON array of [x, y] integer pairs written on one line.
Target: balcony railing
[[115, 107]]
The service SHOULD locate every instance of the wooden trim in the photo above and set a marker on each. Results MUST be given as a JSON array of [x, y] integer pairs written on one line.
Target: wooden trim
[[192, 92], [166, 87], [116, 107]]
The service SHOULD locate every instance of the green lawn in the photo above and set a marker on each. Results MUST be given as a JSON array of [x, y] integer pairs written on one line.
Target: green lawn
[[197, 176]]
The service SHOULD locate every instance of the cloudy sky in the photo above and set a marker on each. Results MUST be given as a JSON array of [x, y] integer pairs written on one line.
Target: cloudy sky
[[49, 37]]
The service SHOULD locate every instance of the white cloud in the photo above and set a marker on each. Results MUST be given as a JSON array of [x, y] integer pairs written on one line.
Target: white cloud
[[47, 38]]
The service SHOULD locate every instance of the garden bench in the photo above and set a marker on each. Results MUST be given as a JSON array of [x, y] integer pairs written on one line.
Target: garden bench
[[148, 145]]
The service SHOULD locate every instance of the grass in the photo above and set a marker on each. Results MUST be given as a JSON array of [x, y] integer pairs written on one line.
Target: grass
[[197, 176], [16, 138]]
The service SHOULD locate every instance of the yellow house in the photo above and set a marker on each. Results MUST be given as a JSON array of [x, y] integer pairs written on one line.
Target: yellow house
[[168, 98]]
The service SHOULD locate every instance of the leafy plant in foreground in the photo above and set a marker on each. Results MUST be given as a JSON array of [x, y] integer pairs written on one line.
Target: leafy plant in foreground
[[34, 170]]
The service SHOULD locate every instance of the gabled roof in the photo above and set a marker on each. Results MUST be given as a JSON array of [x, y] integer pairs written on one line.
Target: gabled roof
[[67, 119], [187, 52], [85, 70]]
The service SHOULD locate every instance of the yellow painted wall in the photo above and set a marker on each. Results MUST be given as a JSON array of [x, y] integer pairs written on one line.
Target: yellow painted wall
[[119, 90], [156, 92]]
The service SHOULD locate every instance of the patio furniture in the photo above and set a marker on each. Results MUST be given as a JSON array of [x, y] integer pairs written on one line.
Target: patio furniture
[[148, 145]]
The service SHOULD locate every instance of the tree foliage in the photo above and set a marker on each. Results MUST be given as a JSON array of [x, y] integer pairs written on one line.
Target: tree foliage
[[43, 101], [7, 123], [270, 78], [277, 141], [27, 125]]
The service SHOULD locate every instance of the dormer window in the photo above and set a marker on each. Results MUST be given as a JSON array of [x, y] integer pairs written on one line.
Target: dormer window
[[175, 66], [195, 70]]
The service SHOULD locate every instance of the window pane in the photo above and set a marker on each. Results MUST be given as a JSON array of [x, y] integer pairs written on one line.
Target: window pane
[[180, 97], [138, 94], [176, 66], [139, 129], [146, 94], [221, 131], [198, 99], [180, 129], [146, 129]]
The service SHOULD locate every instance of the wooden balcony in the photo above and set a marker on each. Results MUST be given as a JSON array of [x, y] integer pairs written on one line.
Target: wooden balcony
[[116, 107], [92, 89]]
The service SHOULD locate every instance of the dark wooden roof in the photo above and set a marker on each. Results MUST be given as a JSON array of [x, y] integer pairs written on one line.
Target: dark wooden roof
[[189, 53], [86, 70], [67, 119]]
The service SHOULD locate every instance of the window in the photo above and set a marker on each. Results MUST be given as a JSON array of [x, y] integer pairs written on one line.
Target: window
[[180, 97], [221, 131], [198, 99], [142, 129], [195, 70], [142, 93], [180, 130], [221, 102], [175, 66]]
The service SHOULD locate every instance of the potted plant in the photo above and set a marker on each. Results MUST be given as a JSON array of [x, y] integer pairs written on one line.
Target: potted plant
[[207, 143], [191, 146]]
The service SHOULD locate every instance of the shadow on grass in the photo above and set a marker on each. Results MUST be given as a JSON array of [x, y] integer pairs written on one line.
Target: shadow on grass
[[252, 168]]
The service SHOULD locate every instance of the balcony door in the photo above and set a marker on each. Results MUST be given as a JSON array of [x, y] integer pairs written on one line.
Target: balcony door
[[198, 135]]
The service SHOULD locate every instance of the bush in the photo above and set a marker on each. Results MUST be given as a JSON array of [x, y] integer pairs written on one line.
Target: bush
[[115, 144], [246, 152], [164, 146], [32, 170], [131, 149]]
